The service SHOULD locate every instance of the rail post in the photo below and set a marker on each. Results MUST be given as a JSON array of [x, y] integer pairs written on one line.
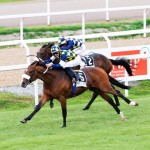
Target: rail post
[[144, 21], [48, 11], [83, 27], [21, 29], [107, 12]]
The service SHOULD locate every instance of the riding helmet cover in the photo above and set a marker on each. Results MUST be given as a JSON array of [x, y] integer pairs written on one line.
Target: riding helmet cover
[[62, 40], [55, 49]]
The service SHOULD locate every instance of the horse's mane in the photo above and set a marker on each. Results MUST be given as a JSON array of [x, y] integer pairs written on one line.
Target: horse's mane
[[38, 64], [45, 45], [48, 45], [33, 63]]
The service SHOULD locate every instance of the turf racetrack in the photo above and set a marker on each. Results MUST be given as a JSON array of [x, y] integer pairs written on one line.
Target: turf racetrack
[[95, 129]]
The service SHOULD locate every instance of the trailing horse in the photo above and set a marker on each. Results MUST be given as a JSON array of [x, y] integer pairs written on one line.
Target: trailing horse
[[57, 85], [99, 59]]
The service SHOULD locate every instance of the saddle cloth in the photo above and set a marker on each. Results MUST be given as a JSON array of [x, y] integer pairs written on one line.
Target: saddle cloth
[[88, 61], [82, 78]]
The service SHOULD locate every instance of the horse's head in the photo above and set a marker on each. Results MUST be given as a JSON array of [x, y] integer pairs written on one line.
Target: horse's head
[[45, 51], [29, 75]]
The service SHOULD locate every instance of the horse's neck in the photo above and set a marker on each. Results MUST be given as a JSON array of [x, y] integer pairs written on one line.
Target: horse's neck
[[49, 76]]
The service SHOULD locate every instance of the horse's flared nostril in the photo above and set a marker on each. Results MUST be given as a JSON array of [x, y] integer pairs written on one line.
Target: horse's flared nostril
[[23, 85]]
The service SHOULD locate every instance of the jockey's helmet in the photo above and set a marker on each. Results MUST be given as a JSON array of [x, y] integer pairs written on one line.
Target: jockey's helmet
[[62, 40], [55, 49]]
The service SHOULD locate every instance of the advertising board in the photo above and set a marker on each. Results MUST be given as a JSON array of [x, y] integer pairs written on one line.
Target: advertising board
[[139, 65]]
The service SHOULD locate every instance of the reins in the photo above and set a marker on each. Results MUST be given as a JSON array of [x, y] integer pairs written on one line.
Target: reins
[[45, 71]]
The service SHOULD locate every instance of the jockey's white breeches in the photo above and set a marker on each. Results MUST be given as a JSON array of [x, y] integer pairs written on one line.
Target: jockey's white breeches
[[73, 63], [80, 50]]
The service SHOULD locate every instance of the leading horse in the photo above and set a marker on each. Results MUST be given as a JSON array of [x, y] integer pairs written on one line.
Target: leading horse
[[57, 85], [99, 61]]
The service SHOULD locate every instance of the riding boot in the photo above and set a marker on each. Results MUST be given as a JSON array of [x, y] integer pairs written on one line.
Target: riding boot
[[71, 74]]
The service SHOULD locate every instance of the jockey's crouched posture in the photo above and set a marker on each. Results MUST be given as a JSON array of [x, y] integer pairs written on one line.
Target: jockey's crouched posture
[[68, 59], [73, 44]]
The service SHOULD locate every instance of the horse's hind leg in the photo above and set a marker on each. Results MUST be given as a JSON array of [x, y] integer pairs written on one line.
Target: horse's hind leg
[[91, 101], [111, 102], [95, 96], [131, 103], [116, 98]]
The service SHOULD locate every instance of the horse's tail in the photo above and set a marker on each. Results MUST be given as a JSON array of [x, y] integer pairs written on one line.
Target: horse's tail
[[123, 62], [117, 83]]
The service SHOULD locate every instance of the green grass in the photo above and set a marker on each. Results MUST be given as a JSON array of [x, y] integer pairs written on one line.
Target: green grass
[[98, 128], [55, 30], [9, 101]]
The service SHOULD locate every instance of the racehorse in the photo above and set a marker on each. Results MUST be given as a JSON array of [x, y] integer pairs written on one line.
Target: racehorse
[[99, 61], [57, 85]]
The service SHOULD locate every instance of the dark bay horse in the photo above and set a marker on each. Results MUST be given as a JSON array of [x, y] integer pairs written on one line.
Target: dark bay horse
[[57, 85], [99, 61]]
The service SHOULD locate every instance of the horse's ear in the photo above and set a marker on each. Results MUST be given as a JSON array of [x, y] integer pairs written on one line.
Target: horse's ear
[[50, 44]]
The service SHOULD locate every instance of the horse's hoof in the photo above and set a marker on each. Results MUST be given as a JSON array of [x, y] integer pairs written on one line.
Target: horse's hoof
[[64, 126], [86, 108], [133, 103], [23, 121], [124, 119]]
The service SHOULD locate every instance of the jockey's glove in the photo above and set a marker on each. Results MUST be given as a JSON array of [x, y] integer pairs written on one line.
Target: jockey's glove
[[49, 65]]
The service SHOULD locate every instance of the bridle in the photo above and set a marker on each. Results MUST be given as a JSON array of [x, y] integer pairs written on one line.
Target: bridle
[[30, 76]]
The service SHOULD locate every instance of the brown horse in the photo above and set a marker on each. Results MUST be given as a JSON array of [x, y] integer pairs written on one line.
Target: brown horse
[[57, 85], [99, 61]]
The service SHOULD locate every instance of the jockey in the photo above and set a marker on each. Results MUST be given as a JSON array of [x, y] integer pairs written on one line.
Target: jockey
[[68, 59], [71, 44]]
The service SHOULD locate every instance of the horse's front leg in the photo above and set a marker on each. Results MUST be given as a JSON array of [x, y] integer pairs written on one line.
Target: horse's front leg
[[116, 100], [51, 104], [64, 109], [91, 101], [43, 100]]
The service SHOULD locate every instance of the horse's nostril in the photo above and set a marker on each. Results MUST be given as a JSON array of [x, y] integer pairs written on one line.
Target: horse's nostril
[[23, 85]]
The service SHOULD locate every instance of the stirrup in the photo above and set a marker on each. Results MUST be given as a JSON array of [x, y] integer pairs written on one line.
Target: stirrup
[[77, 78]]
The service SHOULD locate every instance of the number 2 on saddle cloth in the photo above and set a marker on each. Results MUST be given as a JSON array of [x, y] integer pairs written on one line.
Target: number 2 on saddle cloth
[[89, 62]]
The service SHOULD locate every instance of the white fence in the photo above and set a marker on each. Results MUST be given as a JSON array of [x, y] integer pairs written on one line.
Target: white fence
[[21, 17], [82, 36], [49, 10]]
